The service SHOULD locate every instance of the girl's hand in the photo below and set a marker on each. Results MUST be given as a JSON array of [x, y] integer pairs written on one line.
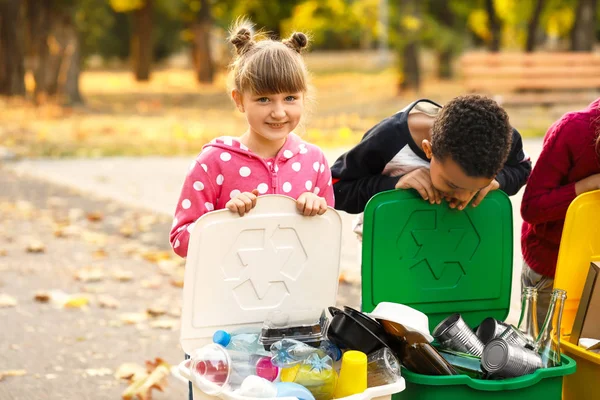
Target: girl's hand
[[243, 202], [309, 204]]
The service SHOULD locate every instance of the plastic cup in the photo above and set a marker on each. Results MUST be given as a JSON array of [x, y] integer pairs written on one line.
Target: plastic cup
[[383, 368], [353, 374]]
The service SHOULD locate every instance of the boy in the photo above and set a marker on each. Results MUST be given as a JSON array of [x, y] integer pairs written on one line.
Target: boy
[[459, 152]]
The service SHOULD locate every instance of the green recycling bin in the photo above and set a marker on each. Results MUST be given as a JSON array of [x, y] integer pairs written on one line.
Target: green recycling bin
[[441, 261]]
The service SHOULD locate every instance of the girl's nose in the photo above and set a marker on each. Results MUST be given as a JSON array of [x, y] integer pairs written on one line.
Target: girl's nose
[[278, 111]]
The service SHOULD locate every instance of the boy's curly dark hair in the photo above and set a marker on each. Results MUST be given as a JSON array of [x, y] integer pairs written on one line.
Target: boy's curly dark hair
[[475, 133]]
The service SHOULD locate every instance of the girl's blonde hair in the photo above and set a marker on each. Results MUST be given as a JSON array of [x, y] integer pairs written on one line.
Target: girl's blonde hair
[[267, 66]]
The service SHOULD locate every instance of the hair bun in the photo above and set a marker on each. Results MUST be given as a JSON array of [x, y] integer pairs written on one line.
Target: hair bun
[[297, 41], [241, 37]]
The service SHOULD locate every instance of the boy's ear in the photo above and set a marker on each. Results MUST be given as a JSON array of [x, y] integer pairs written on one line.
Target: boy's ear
[[238, 99], [426, 145]]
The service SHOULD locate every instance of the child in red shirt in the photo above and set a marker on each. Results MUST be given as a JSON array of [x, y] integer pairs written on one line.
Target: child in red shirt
[[568, 166]]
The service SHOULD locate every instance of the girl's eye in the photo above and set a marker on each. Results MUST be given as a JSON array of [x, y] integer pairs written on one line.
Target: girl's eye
[[290, 98], [263, 99]]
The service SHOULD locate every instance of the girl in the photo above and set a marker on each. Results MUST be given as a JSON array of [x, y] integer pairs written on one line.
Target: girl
[[270, 83], [569, 165]]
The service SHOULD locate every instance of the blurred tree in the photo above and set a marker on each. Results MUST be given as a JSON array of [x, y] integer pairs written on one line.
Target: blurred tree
[[12, 70], [583, 34], [406, 41], [141, 34], [335, 24], [495, 26], [532, 26], [55, 49], [198, 17]]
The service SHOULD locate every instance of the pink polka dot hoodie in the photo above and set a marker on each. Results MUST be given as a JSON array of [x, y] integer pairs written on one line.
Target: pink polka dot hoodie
[[226, 167]]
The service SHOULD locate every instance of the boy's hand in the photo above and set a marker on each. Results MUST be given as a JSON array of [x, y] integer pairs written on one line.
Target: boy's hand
[[309, 204], [420, 180], [243, 202], [476, 198]]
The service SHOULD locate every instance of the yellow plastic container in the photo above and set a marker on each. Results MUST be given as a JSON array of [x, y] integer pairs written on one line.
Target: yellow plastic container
[[580, 244]]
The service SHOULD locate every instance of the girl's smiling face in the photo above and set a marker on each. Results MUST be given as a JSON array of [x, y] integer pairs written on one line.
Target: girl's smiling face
[[271, 116]]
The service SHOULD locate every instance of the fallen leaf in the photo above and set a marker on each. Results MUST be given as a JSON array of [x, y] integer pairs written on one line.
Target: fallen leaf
[[141, 389], [177, 282], [170, 324], [156, 256], [77, 301], [98, 371], [96, 238], [89, 274], [156, 311], [12, 372], [7, 301], [123, 275], [42, 297], [94, 216], [174, 311], [99, 254], [65, 231], [153, 283], [35, 246], [106, 301], [126, 231], [133, 318], [131, 371]]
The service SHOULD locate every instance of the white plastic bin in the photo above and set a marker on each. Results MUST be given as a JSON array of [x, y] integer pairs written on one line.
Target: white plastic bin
[[241, 268]]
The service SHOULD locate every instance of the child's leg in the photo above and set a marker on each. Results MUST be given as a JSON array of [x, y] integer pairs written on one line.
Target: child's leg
[[190, 392], [544, 285]]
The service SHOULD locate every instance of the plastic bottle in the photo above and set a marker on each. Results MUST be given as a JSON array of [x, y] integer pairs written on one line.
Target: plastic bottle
[[241, 340]]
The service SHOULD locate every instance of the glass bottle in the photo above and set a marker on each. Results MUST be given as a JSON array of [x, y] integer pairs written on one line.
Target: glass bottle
[[528, 323], [548, 349]]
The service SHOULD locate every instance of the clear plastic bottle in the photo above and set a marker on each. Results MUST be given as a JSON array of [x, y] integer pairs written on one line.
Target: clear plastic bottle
[[528, 323], [245, 341], [549, 349]]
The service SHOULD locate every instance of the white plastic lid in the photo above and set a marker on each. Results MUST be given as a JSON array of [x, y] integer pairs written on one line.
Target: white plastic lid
[[239, 269]]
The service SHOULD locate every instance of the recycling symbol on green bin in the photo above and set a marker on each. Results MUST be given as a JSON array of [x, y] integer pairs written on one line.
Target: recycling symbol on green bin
[[265, 259], [437, 247]]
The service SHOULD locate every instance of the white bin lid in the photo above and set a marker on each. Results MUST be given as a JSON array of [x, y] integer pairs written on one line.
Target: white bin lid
[[239, 269]]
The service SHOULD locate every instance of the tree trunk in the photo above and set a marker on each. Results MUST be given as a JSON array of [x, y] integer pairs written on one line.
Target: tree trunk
[[141, 42], [12, 69], [201, 49], [39, 18], [68, 78], [583, 34], [445, 17], [495, 28], [410, 77], [64, 60], [532, 28], [411, 67]]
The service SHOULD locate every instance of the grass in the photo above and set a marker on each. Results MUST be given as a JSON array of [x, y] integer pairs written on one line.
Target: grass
[[174, 115]]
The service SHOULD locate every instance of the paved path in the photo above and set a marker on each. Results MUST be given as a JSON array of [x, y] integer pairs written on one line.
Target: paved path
[[154, 183]]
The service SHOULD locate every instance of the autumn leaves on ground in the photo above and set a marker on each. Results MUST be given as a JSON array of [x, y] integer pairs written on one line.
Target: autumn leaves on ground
[[99, 294]]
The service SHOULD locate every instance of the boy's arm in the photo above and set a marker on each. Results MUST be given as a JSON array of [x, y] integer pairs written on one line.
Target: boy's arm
[[546, 197], [357, 174], [517, 167], [352, 196]]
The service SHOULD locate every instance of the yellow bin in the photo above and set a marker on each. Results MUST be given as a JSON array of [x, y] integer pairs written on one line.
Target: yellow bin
[[579, 245]]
